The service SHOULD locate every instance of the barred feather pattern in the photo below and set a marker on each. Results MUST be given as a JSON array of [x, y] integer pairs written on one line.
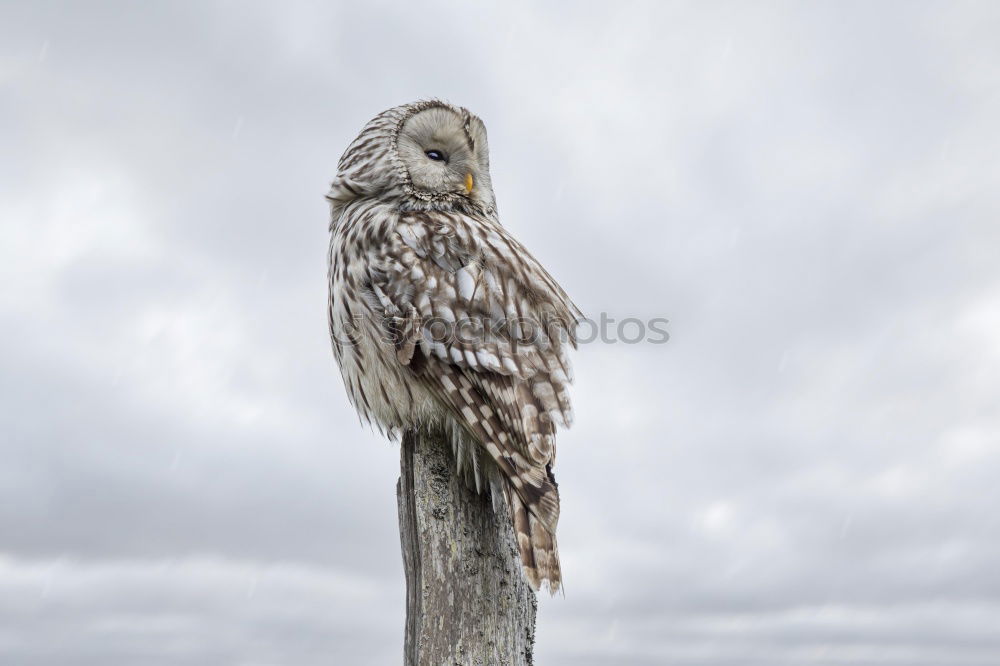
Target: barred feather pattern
[[441, 319]]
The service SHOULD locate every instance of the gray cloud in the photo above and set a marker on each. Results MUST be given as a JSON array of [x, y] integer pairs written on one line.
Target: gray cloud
[[804, 474]]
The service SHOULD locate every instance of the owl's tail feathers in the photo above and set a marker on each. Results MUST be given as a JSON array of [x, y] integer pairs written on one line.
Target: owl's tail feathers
[[537, 546]]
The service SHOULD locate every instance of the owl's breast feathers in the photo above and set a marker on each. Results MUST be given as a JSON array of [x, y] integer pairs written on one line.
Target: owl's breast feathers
[[467, 316]]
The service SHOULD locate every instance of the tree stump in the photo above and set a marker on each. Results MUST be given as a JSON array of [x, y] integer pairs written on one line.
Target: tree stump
[[467, 600]]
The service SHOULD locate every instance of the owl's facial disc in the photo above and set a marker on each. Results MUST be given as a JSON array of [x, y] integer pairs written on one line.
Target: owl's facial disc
[[437, 152]]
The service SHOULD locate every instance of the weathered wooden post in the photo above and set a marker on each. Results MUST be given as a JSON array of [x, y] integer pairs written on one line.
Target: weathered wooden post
[[467, 600]]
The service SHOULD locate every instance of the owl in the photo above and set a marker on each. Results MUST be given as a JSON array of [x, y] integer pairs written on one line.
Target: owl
[[441, 319]]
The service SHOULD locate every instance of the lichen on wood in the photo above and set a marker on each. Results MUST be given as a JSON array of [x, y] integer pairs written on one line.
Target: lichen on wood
[[467, 600]]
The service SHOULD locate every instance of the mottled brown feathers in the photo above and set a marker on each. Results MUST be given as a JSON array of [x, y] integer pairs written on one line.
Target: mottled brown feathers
[[440, 317]]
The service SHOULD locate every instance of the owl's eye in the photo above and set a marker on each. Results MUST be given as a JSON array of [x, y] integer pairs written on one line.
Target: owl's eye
[[436, 155]]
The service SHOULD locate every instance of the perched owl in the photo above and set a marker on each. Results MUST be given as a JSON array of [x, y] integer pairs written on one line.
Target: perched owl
[[441, 319]]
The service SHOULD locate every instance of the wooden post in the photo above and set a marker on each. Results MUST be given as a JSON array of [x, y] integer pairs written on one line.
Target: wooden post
[[467, 600]]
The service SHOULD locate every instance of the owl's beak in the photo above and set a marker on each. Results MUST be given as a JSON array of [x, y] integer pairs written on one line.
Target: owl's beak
[[468, 183]]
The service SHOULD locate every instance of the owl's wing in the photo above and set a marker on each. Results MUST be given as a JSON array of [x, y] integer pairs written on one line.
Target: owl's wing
[[492, 326]]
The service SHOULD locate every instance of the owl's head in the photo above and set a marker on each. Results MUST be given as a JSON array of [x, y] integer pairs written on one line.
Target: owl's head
[[428, 155]]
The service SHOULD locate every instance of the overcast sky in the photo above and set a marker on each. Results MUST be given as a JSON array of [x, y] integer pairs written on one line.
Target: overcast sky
[[808, 472]]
